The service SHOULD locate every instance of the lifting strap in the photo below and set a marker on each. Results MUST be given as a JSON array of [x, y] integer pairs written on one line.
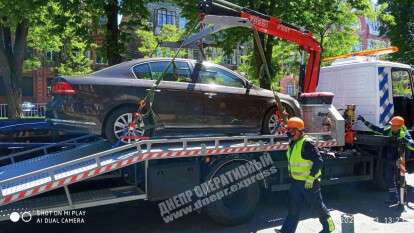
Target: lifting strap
[[149, 97], [280, 110]]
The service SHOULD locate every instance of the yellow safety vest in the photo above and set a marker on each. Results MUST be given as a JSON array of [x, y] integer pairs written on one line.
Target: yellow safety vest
[[299, 168], [401, 134]]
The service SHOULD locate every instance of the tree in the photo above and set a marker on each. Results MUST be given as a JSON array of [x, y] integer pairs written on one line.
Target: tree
[[68, 34], [149, 41], [401, 31], [118, 33], [56, 26], [16, 18], [75, 61], [332, 23]]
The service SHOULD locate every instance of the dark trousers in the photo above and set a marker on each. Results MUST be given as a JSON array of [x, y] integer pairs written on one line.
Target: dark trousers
[[298, 196], [391, 177], [391, 173]]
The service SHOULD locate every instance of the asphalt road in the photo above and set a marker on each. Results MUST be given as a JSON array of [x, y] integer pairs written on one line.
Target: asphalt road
[[361, 200]]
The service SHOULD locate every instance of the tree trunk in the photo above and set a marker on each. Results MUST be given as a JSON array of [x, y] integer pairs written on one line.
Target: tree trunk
[[11, 58], [265, 81], [267, 45], [14, 100], [13, 93], [113, 46]]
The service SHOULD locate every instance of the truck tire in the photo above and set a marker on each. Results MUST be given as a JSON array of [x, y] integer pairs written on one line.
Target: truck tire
[[121, 116], [237, 207]]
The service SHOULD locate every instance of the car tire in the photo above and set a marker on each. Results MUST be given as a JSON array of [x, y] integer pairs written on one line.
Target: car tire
[[237, 207], [270, 118], [120, 116]]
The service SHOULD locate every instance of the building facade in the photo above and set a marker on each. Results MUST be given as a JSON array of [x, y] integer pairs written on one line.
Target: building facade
[[369, 35]]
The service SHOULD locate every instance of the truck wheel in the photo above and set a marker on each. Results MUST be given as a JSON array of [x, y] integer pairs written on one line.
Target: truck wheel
[[117, 122], [236, 207]]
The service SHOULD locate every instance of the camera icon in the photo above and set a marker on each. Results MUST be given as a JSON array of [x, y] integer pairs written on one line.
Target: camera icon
[[24, 216]]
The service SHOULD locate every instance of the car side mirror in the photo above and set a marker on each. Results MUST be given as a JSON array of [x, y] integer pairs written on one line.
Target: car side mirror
[[249, 85]]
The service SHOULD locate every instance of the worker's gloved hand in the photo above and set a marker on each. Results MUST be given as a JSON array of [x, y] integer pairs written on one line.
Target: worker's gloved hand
[[360, 118], [408, 137], [309, 182]]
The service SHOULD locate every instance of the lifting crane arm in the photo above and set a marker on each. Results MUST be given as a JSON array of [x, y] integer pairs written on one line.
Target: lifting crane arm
[[275, 27]]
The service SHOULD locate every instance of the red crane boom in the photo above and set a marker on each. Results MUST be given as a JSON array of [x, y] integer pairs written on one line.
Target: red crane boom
[[275, 27]]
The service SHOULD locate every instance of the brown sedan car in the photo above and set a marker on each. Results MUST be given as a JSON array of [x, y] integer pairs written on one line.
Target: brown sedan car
[[193, 99]]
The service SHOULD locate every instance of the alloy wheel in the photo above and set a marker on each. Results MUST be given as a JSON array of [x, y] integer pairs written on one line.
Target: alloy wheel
[[121, 127], [274, 124]]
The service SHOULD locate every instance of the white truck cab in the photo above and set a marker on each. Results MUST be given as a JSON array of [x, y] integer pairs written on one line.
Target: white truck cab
[[379, 89]]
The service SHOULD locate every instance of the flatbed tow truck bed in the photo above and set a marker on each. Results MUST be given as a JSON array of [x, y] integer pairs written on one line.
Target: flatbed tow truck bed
[[21, 181]]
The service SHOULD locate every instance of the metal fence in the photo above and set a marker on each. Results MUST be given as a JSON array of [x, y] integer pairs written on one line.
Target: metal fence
[[29, 110]]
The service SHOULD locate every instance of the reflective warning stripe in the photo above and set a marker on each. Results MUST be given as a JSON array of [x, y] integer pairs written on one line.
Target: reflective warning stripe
[[139, 157], [302, 174], [331, 224], [302, 164]]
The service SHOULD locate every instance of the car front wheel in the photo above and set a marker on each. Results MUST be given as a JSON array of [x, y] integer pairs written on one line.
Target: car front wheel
[[272, 123]]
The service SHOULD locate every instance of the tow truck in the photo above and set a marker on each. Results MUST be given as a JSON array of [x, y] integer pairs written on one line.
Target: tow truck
[[97, 173]]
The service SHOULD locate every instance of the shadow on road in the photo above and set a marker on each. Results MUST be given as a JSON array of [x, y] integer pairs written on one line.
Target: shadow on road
[[137, 217]]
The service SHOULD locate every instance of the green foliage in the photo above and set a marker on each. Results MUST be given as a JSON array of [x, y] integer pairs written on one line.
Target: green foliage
[[401, 30], [31, 64], [333, 23], [75, 62], [149, 41], [401, 85]]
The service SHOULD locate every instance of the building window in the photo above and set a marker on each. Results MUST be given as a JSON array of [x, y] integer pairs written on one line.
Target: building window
[[27, 86], [100, 57], [102, 20], [164, 16], [291, 89], [374, 27], [376, 44], [182, 22]]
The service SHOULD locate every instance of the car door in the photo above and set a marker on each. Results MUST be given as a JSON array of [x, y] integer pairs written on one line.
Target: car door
[[228, 103], [176, 102]]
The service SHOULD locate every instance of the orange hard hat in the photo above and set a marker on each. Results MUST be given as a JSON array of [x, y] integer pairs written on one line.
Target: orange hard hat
[[295, 123], [397, 121]]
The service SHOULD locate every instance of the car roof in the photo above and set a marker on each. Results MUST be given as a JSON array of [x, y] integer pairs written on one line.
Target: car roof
[[123, 69]]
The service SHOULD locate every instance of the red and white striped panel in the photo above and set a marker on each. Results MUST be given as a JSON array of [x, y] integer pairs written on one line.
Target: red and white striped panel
[[327, 144], [139, 158]]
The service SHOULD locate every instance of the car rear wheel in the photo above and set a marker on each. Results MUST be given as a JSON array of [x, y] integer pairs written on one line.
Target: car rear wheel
[[118, 122]]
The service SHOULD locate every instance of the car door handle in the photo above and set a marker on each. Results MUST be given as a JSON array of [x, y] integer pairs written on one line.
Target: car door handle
[[155, 90], [210, 94]]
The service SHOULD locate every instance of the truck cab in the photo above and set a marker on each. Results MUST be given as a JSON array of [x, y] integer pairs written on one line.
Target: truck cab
[[379, 89]]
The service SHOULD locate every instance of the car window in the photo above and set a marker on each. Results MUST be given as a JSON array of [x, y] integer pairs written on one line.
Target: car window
[[142, 71], [401, 85], [217, 76], [178, 71]]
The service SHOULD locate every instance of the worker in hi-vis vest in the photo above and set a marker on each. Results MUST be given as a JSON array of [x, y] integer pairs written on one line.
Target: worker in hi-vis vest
[[396, 127], [304, 164]]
